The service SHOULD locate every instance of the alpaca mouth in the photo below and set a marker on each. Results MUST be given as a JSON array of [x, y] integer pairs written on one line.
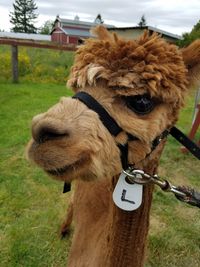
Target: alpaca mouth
[[67, 168], [60, 171]]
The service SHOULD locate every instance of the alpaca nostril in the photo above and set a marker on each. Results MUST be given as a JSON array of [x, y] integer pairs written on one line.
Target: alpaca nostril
[[46, 134]]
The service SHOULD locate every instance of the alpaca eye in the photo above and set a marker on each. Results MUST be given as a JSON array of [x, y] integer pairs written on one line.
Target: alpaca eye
[[141, 104]]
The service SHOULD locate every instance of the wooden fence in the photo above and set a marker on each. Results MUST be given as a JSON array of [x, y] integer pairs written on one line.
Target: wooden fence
[[14, 43]]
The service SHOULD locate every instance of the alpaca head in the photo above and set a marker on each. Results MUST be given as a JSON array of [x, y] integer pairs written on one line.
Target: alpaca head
[[141, 83]]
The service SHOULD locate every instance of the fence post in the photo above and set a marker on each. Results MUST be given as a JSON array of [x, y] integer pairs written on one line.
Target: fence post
[[15, 72]]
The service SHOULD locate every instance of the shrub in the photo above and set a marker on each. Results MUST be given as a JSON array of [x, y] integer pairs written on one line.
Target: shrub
[[24, 64], [5, 66]]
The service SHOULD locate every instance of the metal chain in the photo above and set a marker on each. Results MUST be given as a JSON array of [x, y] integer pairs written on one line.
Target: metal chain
[[184, 194]]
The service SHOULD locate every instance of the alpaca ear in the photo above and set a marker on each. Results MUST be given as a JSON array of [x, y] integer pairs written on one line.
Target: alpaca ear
[[102, 33], [191, 57]]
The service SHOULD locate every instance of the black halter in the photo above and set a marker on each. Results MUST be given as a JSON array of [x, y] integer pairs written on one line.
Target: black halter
[[108, 122], [115, 129]]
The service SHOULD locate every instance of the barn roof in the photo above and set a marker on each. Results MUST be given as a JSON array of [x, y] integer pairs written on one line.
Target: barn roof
[[76, 32], [175, 36], [79, 22]]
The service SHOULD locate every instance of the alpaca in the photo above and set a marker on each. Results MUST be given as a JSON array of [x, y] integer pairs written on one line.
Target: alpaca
[[141, 84]]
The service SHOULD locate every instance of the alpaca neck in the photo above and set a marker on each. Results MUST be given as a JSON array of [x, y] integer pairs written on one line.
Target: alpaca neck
[[129, 231], [104, 234]]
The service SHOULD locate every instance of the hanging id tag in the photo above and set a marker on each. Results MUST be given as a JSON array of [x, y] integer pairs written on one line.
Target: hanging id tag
[[127, 196]]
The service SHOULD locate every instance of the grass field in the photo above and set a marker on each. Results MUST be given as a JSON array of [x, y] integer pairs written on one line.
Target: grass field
[[32, 206]]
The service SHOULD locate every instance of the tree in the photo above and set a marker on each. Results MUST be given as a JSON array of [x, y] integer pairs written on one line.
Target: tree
[[47, 27], [142, 22], [188, 38], [23, 16], [98, 19]]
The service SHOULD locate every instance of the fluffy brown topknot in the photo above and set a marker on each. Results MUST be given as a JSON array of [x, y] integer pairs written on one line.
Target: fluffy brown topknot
[[146, 65]]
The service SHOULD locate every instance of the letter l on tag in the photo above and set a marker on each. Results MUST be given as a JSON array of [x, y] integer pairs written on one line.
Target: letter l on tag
[[127, 196]]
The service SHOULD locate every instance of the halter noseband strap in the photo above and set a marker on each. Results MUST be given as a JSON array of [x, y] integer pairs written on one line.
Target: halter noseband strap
[[106, 119]]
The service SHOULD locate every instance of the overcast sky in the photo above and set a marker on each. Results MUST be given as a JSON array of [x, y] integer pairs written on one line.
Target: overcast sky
[[176, 16]]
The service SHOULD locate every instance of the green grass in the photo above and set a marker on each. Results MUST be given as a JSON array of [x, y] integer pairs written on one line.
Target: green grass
[[32, 206], [174, 239], [37, 65]]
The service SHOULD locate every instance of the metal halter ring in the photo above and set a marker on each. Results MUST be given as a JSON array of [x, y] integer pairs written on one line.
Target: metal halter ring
[[137, 176]]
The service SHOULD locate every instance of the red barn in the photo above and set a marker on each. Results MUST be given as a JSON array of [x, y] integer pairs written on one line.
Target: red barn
[[66, 31]]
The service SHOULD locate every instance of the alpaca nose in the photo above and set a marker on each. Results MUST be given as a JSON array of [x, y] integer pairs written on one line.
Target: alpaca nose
[[46, 133]]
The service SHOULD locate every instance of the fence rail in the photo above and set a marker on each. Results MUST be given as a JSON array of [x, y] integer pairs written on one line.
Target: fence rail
[[37, 44]]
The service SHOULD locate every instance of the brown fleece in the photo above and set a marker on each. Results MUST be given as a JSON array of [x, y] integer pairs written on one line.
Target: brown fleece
[[71, 143]]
